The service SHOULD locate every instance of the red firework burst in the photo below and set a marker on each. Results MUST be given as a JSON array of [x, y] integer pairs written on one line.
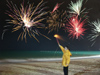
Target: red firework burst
[[75, 27]]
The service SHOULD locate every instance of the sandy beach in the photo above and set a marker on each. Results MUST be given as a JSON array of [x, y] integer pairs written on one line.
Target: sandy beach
[[76, 67]]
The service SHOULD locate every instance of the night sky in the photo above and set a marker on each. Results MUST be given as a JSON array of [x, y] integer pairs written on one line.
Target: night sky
[[10, 39]]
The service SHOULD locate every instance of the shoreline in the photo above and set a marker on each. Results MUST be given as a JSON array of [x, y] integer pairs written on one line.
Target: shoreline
[[45, 59]]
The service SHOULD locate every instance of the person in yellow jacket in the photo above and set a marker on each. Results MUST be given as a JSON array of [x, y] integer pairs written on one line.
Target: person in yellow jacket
[[65, 58]]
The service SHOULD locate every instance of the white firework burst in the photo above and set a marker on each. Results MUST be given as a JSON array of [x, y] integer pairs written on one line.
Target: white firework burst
[[75, 8], [95, 30]]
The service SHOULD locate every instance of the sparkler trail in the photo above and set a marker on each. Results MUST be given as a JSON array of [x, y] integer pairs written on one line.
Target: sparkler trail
[[75, 27], [28, 18]]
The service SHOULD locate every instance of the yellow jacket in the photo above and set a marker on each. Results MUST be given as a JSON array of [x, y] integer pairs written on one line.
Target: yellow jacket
[[66, 56]]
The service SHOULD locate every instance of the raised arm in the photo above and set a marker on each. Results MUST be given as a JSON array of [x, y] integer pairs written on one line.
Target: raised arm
[[62, 48]]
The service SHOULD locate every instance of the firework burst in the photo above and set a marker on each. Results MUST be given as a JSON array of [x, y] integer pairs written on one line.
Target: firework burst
[[56, 20], [95, 30], [75, 27], [28, 18], [76, 9], [56, 7]]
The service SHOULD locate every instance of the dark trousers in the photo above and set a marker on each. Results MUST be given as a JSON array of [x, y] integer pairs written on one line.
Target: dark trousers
[[65, 69]]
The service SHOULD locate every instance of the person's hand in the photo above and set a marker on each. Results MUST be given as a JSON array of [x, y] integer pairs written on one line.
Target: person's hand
[[59, 44]]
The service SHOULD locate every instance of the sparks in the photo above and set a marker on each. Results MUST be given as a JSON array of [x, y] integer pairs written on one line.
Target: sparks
[[95, 30], [56, 20], [75, 27], [28, 18], [57, 6], [56, 36], [75, 8]]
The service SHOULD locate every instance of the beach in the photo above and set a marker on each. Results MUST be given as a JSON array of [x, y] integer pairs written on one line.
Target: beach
[[89, 66]]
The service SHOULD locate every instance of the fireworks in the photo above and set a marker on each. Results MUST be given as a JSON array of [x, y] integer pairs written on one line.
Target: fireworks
[[28, 18], [77, 14], [56, 20], [56, 7], [95, 30], [76, 8], [75, 27]]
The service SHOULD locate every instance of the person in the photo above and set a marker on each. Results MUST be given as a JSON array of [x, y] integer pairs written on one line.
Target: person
[[65, 58]]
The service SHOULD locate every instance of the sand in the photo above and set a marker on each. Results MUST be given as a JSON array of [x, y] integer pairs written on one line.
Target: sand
[[76, 67]]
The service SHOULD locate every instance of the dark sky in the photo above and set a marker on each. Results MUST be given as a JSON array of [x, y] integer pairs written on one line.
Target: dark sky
[[10, 39]]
